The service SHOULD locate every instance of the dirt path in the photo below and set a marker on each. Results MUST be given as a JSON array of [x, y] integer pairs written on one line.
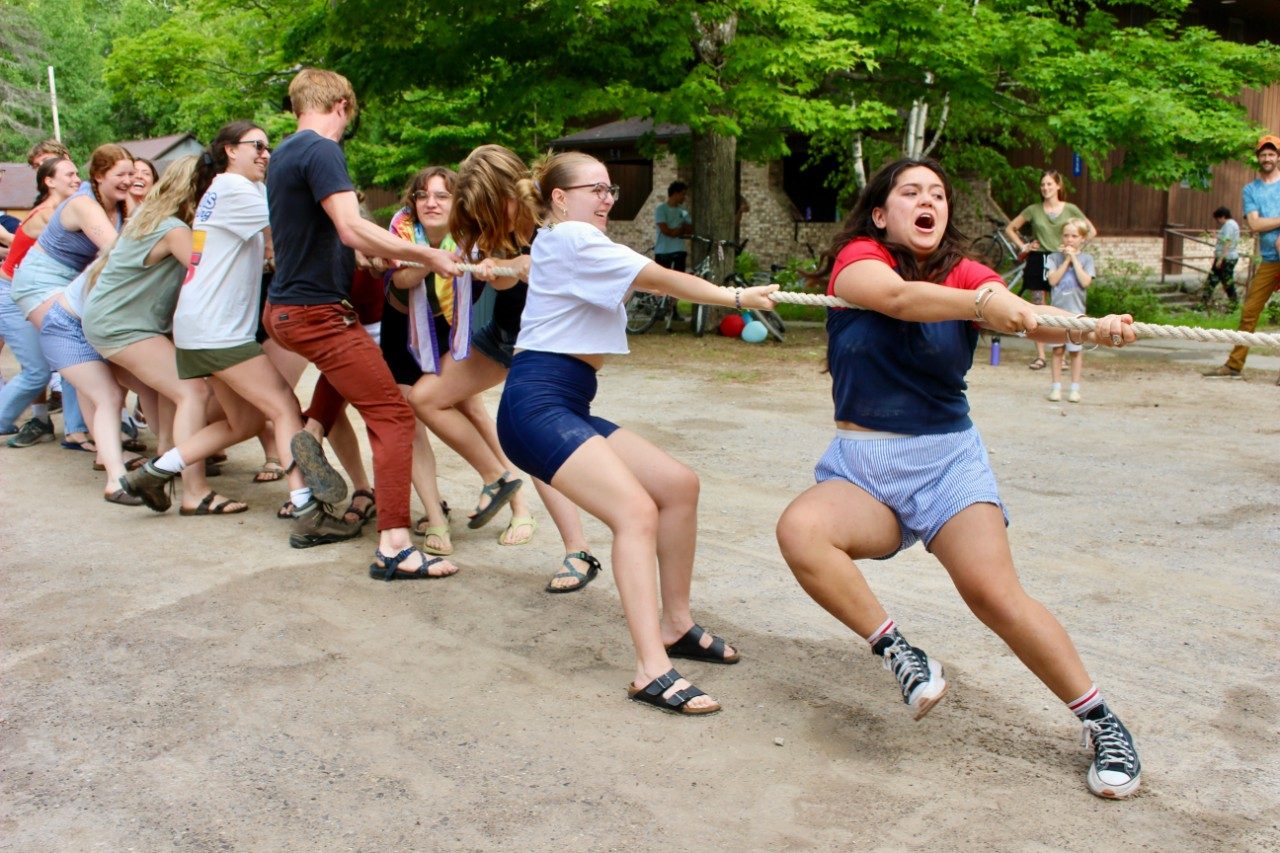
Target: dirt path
[[195, 684]]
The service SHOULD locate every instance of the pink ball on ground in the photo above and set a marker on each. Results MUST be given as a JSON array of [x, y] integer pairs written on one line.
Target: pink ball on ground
[[731, 326]]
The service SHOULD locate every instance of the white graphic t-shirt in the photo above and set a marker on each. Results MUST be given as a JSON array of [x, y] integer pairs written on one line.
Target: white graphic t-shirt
[[218, 303]]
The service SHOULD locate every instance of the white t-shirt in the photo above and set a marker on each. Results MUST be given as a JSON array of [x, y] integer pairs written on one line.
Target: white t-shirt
[[578, 283], [218, 303]]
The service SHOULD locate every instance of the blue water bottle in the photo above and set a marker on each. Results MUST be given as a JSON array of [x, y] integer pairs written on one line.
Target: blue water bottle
[[995, 349]]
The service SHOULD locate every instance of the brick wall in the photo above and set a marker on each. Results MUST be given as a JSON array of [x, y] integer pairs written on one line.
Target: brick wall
[[771, 227]]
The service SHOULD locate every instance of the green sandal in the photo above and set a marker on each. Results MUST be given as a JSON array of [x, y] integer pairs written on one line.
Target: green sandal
[[593, 569]]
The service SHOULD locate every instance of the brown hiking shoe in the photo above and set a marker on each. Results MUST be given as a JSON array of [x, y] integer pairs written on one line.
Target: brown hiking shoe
[[149, 484], [1222, 372], [313, 525]]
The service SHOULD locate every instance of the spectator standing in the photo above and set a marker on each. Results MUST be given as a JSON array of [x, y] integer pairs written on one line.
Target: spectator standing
[[1046, 218], [1262, 214], [673, 226], [1225, 254]]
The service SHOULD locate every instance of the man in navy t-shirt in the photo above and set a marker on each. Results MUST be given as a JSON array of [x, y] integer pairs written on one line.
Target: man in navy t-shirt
[[315, 226]]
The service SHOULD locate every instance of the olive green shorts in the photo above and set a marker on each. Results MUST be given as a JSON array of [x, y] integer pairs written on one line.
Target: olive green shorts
[[198, 363]]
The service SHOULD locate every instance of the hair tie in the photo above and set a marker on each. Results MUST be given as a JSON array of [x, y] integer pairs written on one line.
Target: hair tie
[[206, 158], [537, 187]]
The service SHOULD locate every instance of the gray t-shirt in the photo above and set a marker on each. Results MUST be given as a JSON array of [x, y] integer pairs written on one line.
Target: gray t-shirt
[[1068, 294], [132, 301], [1228, 244]]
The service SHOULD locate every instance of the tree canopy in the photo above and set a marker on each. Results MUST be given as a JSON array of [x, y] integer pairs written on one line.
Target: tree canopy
[[865, 80]]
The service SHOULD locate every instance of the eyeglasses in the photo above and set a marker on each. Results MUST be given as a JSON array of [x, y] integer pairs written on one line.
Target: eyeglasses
[[420, 195], [262, 147], [600, 189]]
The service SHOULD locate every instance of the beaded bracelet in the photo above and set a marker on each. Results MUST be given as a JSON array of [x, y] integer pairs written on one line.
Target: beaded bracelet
[[737, 298]]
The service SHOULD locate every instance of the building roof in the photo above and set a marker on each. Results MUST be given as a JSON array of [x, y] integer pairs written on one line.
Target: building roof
[[615, 132], [158, 147], [17, 186]]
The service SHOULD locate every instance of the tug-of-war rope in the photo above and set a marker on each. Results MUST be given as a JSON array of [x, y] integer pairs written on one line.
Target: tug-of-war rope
[[1087, 324], [1059, 321]]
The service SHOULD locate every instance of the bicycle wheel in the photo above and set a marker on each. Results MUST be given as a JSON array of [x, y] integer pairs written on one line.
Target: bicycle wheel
[[772, 322], [643, 310], [698, 320], [988, 251]]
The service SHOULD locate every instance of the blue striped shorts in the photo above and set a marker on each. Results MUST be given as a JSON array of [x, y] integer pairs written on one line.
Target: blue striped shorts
[[924, 479], [62, 340]]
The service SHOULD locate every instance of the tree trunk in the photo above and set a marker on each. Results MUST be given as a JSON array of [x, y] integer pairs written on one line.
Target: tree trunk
[[714, 194]]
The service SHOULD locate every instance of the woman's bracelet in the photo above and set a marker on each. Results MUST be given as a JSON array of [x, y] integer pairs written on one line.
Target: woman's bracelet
[[1083, 333], [980, 301], [737, 298]]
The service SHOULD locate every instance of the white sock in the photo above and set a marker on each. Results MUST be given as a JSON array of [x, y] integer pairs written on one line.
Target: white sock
[[171, 461], [300, 497], [887, 626], [1057, 386], [1075, 386], [41, 411], [1089, 700]]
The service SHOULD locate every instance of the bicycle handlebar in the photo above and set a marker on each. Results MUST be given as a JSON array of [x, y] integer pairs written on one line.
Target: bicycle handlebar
[[737, 247]]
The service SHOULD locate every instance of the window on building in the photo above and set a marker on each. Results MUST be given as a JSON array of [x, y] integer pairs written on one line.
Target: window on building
[[635, 178], [805, 183]]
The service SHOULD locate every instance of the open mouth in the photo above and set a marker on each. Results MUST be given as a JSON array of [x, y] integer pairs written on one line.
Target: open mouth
[[925, 221]]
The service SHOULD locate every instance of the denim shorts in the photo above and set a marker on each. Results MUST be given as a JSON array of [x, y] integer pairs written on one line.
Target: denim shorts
[[62, 340], [545, 413], [924, 479], [37, 278], [496, 343]]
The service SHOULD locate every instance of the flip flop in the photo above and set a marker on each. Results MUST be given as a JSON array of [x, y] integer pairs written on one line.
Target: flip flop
[[593, 569], [208, 507], [87, 445], [515, 523], [441, 531], [499, 492]]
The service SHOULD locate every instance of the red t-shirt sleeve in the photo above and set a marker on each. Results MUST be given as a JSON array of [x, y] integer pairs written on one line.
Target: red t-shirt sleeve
[[970, 275], [859, 249]]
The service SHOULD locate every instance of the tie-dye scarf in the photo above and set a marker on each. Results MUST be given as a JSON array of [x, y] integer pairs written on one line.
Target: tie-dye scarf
[[455, 303]]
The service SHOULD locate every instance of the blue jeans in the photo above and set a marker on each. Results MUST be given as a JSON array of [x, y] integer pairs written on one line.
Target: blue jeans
[[24, 340], [19, 391]]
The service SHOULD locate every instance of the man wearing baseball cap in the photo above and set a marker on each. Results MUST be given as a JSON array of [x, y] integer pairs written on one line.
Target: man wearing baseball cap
[[1262, 213]]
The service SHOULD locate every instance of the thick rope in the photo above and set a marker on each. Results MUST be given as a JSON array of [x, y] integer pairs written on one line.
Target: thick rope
[[503, 272], [1061, 321]]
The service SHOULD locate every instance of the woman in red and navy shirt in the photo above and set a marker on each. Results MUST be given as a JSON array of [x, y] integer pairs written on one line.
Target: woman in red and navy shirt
[[907, 464]]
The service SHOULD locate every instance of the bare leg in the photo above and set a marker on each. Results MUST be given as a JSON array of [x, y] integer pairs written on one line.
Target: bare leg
[[974, 548], [1077, 366], [101, 399], [1055, 365], [822, 532], [596, 478]]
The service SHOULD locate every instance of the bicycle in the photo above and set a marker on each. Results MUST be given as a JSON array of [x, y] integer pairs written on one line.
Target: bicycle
[[773, 323], [997, 251], [644, 310]]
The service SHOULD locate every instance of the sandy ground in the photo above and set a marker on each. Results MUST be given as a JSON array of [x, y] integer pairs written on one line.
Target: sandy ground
[[175, 683]]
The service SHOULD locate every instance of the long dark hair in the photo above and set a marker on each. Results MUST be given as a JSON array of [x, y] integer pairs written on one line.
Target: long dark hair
[[43, 173], [213, 161], [860, 224]]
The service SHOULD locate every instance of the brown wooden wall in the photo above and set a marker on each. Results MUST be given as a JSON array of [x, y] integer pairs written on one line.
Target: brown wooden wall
[[1128, 210]]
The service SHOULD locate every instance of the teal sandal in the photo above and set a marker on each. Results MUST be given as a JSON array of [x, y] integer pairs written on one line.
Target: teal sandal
[[500, 492], [593, 569]]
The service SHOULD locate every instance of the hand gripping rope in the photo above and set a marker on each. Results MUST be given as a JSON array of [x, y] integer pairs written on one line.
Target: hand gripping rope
[[1087, 324]]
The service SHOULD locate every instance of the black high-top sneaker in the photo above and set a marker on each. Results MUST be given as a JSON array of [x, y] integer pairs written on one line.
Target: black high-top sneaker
[[919, 677]]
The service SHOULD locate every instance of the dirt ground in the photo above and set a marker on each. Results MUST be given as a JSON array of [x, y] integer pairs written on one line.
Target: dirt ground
[[180, 683]]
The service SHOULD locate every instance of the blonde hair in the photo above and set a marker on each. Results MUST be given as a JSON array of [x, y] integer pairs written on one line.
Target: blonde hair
[[47, 148], [173, 195], [558, 171], [1079, 224], [489, 178], [314, 90]]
